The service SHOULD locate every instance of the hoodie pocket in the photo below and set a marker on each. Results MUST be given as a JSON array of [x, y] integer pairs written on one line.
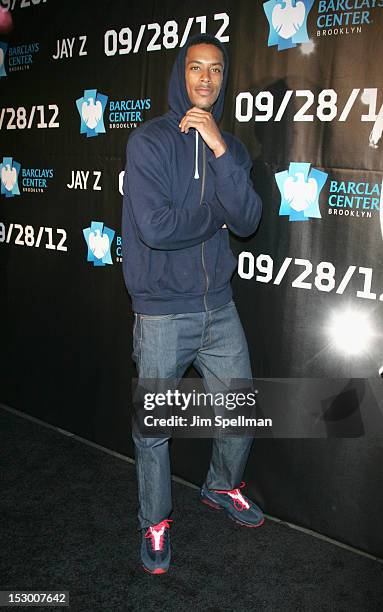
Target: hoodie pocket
[[225, 263], [183, 272]]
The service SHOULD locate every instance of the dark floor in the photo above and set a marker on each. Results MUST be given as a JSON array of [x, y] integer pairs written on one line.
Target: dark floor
[[68, 522]]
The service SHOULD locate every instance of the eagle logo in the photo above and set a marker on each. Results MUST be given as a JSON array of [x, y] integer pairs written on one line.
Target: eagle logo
[[3, 50], [298, 192], [99, 244], [288, 19], [9, 173], [91, 113], [99, 238], [91, 110], [300, 188], [287, 22], [8, 177]]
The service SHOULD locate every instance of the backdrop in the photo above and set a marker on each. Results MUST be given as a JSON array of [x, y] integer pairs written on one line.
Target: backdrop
[[305, 96]]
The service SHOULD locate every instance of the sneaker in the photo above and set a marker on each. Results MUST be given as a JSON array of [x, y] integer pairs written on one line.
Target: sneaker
[[155, 548], [238, 507]]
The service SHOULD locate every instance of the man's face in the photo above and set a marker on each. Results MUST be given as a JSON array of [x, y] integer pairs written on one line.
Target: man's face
[[204, 66]]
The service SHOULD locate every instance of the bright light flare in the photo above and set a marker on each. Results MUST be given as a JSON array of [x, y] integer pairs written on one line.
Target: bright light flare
[[307, 48], [350, 332]]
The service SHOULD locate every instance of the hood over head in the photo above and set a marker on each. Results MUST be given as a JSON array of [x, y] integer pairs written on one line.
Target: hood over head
[[178, 98]]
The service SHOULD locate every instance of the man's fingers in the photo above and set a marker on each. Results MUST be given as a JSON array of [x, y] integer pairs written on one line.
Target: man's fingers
[[194, 120], [197, 111], [198, 115], [201, 118], [189, 122], [204, 123], [194, 117]]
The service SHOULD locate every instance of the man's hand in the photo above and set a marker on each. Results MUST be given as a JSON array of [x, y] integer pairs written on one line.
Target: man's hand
[[204, 123]]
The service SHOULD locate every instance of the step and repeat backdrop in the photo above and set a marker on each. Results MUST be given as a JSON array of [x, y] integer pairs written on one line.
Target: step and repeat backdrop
[[305, 95]]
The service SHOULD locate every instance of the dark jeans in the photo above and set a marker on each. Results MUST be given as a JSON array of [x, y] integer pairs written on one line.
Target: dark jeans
[[163, 347]]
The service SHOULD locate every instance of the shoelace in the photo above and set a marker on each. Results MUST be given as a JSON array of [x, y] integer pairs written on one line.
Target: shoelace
[[156, 532], [239, 501]]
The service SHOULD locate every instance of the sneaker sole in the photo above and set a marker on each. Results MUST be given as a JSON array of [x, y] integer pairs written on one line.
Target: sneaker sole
[[210, 503], [245, 524], [215, 506]]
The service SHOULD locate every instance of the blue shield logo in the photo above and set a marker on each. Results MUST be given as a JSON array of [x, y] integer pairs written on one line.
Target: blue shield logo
[[91, 110], [300, 188], [3, 51], [287, 22], [99, 239], [9, 174]]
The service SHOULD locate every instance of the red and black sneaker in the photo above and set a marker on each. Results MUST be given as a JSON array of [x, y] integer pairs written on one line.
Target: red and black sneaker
[[155, 548], [238, 507]]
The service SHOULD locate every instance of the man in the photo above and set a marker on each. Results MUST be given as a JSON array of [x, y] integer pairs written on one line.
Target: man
[[186, 183]]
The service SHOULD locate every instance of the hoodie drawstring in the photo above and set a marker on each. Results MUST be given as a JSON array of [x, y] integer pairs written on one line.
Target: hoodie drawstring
[[196, 175]]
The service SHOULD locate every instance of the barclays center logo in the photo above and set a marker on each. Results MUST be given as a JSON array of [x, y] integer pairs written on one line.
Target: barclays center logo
[[91, 109], [3, 51], [19, 57], [287, 22], [300, 189], [99, 238], [32, 180], [9, 174], [95, 108]]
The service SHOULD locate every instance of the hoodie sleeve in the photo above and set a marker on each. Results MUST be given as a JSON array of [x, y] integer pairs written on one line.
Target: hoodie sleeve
[[161, 225], [235, 191]]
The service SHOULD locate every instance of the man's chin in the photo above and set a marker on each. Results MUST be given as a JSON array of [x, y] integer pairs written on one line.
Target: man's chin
[[204, 107]]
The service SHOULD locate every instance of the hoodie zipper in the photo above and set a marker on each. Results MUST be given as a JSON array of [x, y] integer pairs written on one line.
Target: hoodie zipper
[[202, 194]]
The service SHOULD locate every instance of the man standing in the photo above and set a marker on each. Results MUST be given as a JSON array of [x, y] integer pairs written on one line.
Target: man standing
[[186, 183]]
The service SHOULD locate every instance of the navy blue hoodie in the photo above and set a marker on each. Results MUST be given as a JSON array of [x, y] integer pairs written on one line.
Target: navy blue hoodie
[[177, 195]]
